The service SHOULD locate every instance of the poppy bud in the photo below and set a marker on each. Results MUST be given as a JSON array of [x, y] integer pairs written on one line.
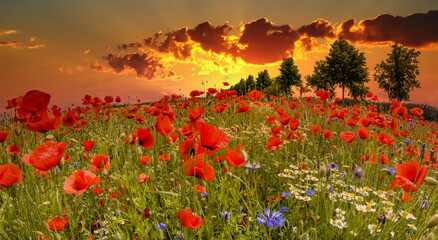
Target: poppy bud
[[105, 172], [244, 155], [122, 135], [39, 233], [431, 236], [57, 236], [46, 226], [50, 137], [130, 138], [46, 203], [322, 171], [433, 221], [139, 151], [304, 236], [74, 140], [430, 181]]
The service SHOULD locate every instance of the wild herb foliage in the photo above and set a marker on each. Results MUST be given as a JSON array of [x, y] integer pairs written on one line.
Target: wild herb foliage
[[218, 167]]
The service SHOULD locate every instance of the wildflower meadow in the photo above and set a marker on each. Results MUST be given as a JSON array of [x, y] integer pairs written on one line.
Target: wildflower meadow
[[215, 165]]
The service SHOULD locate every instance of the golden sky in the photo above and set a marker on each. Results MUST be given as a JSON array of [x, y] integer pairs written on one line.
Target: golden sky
[[144, 49]]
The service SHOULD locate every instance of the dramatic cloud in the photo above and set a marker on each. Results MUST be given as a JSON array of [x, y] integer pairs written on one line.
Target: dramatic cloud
[[320, 28], [9, 44], [145, 65], [415, 30], [223, 47], [266, 42]]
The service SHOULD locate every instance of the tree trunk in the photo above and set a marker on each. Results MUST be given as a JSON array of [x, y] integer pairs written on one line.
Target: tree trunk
[[343, 88]]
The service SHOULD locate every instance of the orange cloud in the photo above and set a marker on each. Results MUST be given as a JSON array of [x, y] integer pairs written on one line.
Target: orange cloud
[[415, 30]]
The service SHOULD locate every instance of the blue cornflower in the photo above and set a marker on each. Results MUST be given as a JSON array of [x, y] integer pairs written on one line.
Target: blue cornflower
[[333, 166], [285, 195], [253, 166], [76, 164], [162, 226], [271, 220], [408, 142], [226, 215], [310, 192], [283, 209], [204, 194], [180, 235], [390, 170]]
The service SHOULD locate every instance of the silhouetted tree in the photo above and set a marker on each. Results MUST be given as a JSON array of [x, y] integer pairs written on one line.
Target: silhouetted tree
[[397, 74], [345, 67], [289, 75], [250, 83], [263, 80]]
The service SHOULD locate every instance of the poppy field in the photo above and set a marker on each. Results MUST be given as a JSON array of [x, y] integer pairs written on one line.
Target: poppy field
[[215, 165]]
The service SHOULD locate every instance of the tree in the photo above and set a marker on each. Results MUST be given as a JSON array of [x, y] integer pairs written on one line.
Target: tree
[[320, 79], [250, 83], [263, 80], [289, 75], [345, 67], [397, 74]]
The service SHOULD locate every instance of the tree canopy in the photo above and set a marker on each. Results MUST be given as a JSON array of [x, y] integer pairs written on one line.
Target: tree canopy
[[345, 67], [397, 74], [289, 75]]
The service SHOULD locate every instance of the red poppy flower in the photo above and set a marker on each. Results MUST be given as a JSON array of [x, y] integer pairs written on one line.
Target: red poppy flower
[[235, 158], [57, 223], [363, 133], [47, 155], [271, 119], [164, 126], [416, 111], [44, 123], [34, 101], [255, 95], [351, 122], [284, 120], [226, 84], [145, 159], [88, 145], [118, 99], [384, 159], [190, 147], [188, 219], [294, 124], [196, 112], [143, 178], [10, 174], [200, 189], [212, 137], [3, 136], [146, 139], [315, 128], [97, 190], [98, 163], [199, 168], [409, 174], [327, 134], [347, 137], [386, 139], [79, 182], [164, 157], [14, 150], [323, 94], [274, 142], [242, 108], [108, 99]]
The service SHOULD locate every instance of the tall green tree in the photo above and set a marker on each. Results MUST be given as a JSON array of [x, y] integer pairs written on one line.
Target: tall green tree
[[344, 67], [263, 80], [250, 83], [320, 79], [289, 75], [397, 74]]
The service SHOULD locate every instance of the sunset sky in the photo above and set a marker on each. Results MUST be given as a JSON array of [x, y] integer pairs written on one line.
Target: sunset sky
[[145, 49]]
